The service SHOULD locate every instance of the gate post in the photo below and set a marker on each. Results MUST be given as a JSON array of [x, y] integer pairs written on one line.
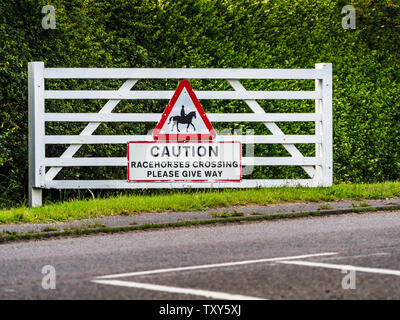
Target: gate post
[[36, 132], [323, 128]]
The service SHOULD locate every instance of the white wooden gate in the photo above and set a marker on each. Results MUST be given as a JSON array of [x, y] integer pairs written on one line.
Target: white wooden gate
[[43, 170]]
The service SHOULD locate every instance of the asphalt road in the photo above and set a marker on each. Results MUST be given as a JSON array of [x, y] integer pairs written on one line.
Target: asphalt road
[[304, 258]]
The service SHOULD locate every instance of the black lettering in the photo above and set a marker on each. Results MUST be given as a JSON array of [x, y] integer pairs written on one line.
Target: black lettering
[[213, 150], [203, 151], [186, 148], [174, 153], [165, 152], [154, 151]]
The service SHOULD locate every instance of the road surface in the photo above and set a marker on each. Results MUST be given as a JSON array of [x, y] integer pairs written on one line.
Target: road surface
[[353, 256]]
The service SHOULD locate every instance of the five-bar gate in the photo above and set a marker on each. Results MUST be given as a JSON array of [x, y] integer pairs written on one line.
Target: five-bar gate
[[43, 170]]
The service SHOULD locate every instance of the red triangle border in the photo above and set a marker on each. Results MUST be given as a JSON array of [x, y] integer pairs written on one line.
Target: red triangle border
[[184, 136]]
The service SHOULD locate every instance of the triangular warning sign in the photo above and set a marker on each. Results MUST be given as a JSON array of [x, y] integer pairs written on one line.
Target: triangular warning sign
[[184, 118]]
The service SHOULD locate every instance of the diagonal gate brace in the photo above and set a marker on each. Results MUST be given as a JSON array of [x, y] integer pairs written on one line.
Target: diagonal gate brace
[[89, 129], [273, 127]]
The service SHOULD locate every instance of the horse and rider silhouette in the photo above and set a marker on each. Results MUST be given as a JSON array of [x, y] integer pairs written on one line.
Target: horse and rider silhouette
[[183, 119]]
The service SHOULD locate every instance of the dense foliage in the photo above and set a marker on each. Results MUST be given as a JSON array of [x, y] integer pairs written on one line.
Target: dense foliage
[[209, 33]]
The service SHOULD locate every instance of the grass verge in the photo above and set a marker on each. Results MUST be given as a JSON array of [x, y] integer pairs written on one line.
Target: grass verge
[[194, 200]]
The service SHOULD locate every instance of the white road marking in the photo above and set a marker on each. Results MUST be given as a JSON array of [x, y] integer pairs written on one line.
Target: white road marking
[[196, 292], [342, 267], [207, 266], [292, 260]]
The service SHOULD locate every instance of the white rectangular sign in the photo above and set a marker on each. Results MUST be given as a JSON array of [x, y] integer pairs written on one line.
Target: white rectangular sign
[[184, 161]]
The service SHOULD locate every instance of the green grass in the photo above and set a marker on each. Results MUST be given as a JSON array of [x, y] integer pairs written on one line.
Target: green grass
[[226, 214], [194, 200], [94, 225], [91, 225], [223, 214], [361, 204], [325, 207]]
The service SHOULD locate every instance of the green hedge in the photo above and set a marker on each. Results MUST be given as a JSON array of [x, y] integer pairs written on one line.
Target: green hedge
[[209, 33]]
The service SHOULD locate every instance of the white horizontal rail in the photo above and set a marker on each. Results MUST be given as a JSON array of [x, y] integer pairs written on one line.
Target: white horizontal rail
[[123, 184], [109, 139], [155, 117], [172, 73], [167, 95], [122, 162]]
